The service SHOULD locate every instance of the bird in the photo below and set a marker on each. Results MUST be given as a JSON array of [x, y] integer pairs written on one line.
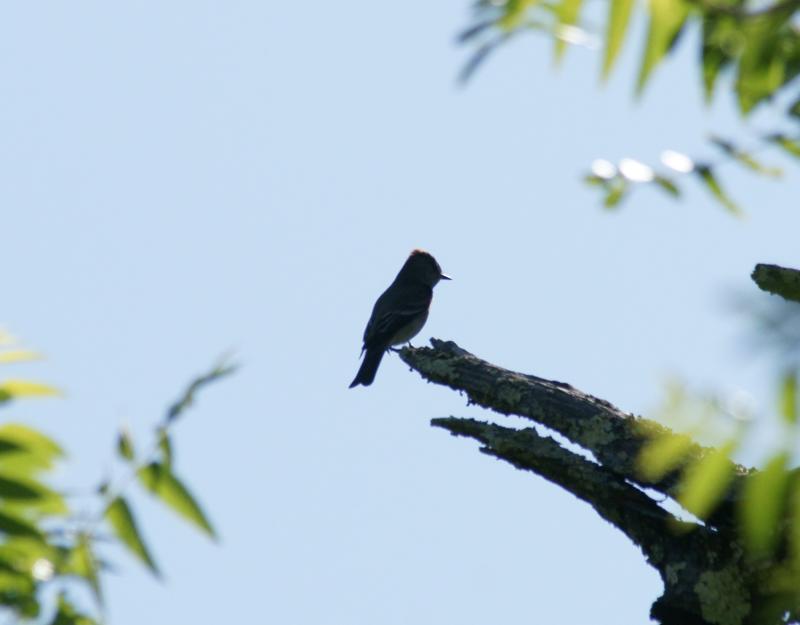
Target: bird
[[400, 312]]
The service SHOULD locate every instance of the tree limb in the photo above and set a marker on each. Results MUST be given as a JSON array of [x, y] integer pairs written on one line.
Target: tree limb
[[707, 578], [778, 281], [614, 437], [620, 503]]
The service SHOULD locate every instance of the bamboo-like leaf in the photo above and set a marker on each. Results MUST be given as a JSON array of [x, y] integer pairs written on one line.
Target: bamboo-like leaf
[[667, 185], [218, 372], [67, 614], [120, 517], [793, 499], [667, 17], [26, 496], [12, 525], [18, 593], [615, 193], [515, 13], [662, 455], [16, 489], [162, 483], [165, 447], [789, 408], [705, 481], [567, 12], [791, 146], [619, 15], [49, 503], [16, 389], [721, 40], [761, 68], [125, 445], [24, 451], [81, 561], [18, 355], [709, 179], [22, 552], [744, 158], [764, 500]]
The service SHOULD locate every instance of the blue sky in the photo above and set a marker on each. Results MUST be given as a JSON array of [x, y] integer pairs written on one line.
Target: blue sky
[[182, 179]]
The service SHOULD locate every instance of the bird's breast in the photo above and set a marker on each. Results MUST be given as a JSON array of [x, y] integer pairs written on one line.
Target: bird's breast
[[410, 330]]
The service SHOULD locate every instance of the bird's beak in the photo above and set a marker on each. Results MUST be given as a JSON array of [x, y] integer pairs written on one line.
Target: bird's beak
[[445, 277]]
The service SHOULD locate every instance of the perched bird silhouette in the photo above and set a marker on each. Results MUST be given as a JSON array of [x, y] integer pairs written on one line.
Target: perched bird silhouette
[[400, 312]]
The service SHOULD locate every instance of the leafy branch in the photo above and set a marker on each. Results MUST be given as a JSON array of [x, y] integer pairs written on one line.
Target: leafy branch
[[154, 472], [618, 181], [45, 544], [759, 46]]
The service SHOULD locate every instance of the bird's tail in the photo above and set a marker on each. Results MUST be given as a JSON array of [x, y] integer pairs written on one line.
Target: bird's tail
[[366, 374]]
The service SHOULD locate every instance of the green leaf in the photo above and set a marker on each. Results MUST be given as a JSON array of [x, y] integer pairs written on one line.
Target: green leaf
[[704, 482], [23, 551], [595, 181], [218, 372], [13, 525], [615, 192], [791, 146], [567, 12], [14, 582], [24, 451], [707, 176], [165, 447], [794, 528], [761, 67], [763, 503], [162, 483], [120, 517], [17, 389], [789, 398], [18, 593], [125, 445], [67, 614], [26, 496], [662, 455], [744, 158], [667, 17], [721, 42], [667, 185], [82, 562], [515, 13], [18, 355], [619, 15], [15, 489]]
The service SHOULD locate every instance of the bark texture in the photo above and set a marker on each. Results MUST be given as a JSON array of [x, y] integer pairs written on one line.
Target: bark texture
[[708, 580], [778, 281]]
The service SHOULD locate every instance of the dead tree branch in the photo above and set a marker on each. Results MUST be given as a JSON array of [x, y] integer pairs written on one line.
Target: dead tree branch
[[707, 578]]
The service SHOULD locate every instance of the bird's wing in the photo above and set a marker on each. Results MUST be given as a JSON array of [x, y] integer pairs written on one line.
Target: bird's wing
[[391, 314]]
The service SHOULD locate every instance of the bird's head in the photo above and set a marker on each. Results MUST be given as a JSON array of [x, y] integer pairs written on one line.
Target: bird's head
[[422, 267]]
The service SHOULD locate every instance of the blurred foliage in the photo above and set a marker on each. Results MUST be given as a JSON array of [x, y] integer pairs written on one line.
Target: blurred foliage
[[45, 543], [756, 44], [616, 181], [768, 498]]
